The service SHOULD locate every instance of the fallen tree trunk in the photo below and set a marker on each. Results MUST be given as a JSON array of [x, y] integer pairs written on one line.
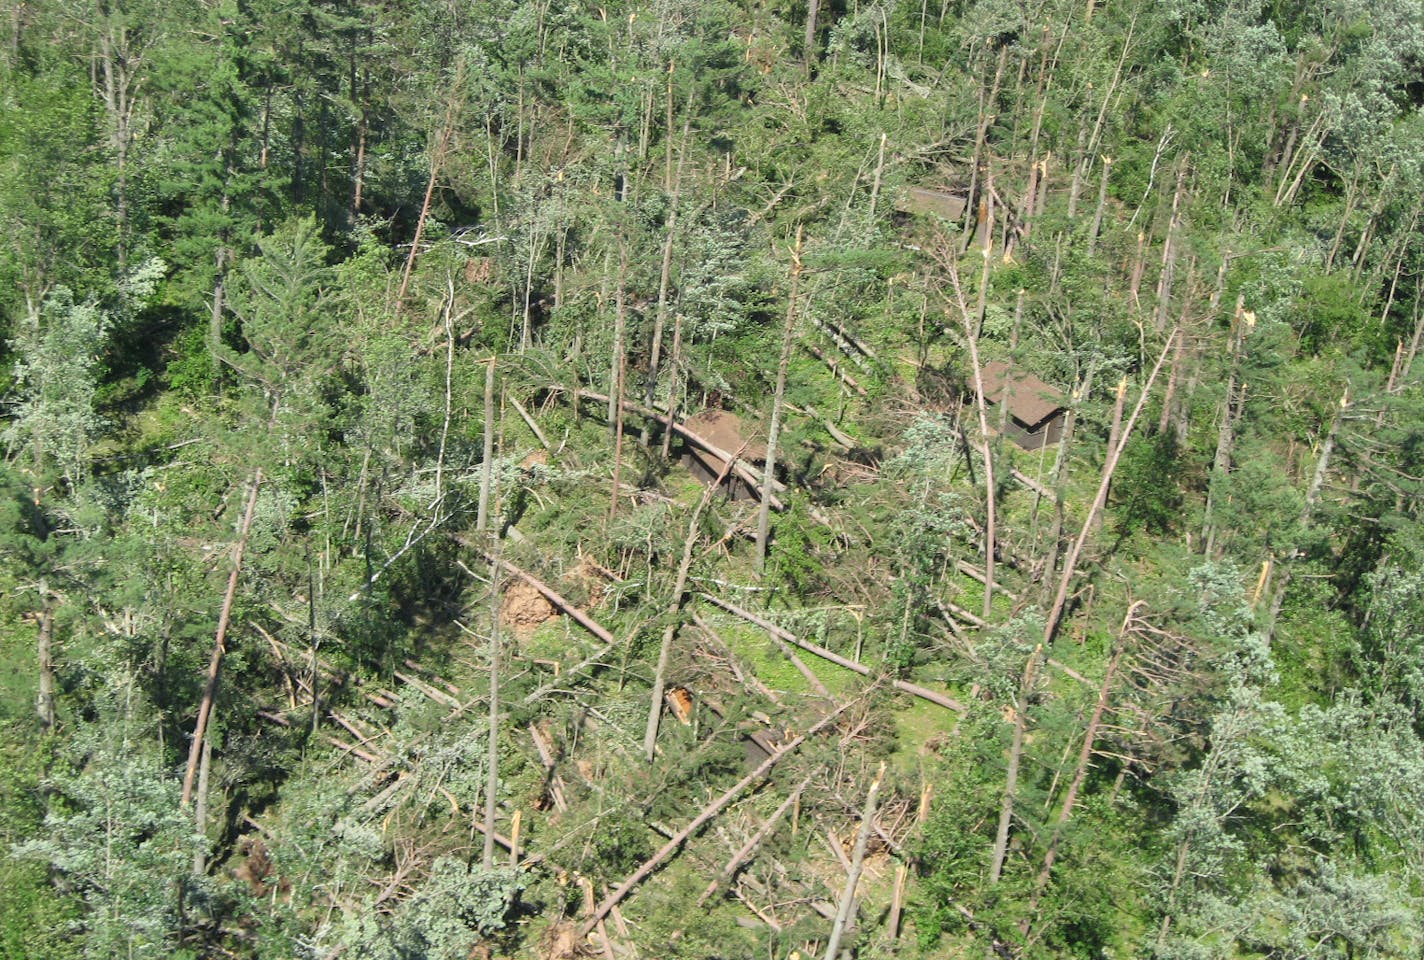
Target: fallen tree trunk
[[550, 594], [210, 689], [1055, 613], [923, 693], [679, 596], [857, 864], [708, 812]]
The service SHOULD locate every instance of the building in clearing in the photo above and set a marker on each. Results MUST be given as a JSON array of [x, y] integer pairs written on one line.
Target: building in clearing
[[1035, 409]]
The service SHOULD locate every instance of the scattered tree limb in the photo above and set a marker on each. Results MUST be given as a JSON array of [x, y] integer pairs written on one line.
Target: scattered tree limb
[[708, 812]]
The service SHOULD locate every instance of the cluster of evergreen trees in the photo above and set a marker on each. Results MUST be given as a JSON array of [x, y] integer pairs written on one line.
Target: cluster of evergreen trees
[[353, 601]]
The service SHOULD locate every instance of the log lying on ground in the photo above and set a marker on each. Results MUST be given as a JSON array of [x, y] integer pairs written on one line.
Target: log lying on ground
[[835, 368], [708, 812], [748, 848], [1032, 484], [914, 689], [550, 594]]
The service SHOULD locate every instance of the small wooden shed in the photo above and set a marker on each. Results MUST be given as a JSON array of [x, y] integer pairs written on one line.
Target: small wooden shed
[[725, 431], [923, 201], [1035, 409]]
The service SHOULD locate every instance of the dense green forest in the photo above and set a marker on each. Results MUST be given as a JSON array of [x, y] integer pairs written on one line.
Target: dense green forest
[[490, 479]]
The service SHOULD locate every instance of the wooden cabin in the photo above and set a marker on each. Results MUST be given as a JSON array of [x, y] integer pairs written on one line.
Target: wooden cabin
[[923, 201], [1035, 409], [724, 431]]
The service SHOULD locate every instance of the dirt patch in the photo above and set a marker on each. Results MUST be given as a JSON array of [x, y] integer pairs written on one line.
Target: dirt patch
[[524, 609], [561, 942], [586, 584]]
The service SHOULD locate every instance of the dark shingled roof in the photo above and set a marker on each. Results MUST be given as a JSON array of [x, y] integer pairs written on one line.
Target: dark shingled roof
[[1030, 400]]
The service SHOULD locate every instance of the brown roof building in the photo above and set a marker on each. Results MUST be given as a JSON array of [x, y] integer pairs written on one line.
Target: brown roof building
[[725, 431], [1035, 409]]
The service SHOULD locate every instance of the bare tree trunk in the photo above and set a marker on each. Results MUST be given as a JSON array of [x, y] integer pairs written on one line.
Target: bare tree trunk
[[1080, 772], [210, 690], [1312, 497], [809, 45], [902, 870], [857, 865], [674, 363], [1097, 227], [986, 116], [655, 346], [200, 808], [1080, 165], [1242, 321], [1110, 465], [971, 325], [778, 400], [617, 369], [875, 184], [1011, 778], [437, 162], [1169, 252]]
